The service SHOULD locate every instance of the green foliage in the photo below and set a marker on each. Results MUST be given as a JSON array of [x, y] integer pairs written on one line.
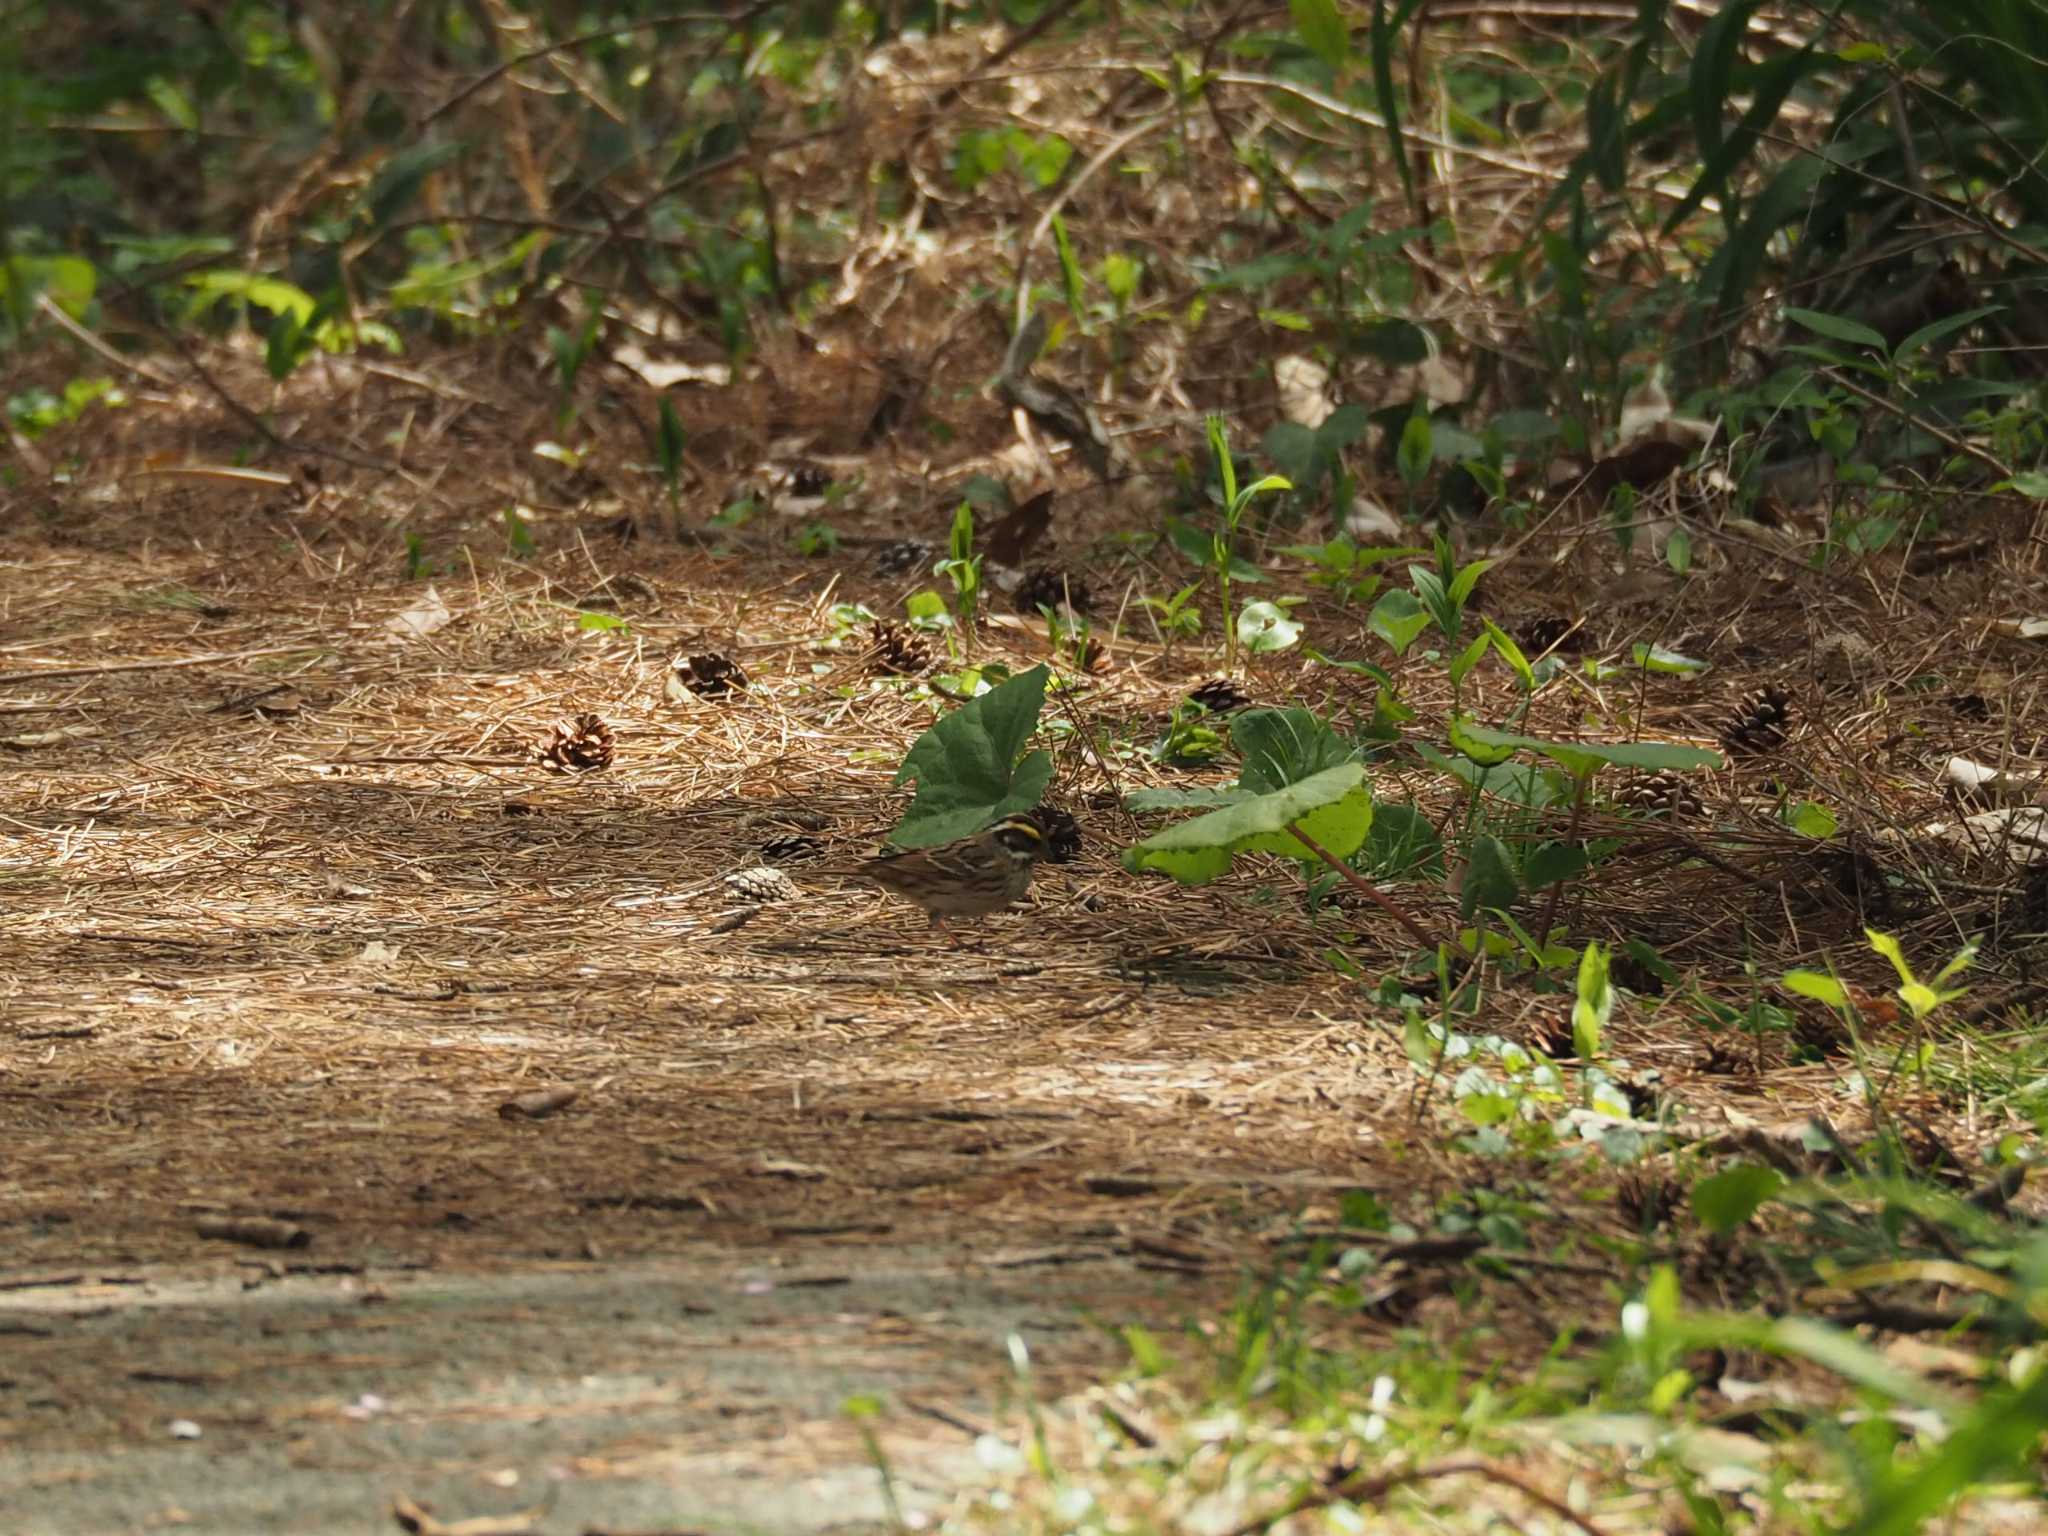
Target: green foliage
[[962, 567], [1332, 807], [1724, 1201], [971, 769]]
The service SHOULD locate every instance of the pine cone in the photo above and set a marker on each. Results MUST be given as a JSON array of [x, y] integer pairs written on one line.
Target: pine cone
[[1552, 629], [1660, 794], [804, 480], [1648, 1200], [761, 884], [709, 677], [1048, 586], [1220, 696], [575, 744], [1758, 724], [897, 648], [790, 848], [903, 555], [1091, 655], [1062, 833]]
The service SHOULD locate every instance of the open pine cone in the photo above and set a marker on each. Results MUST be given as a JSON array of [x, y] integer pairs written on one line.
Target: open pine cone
[[575, 744], [1660, 794], [710, 676], [897, 648], [1047, 586], [1758, 724], [901, 556], [1220, 696]]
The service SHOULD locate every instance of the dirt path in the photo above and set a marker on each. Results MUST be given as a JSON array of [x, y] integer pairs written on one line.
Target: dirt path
[[269, 947], [701, 1391]]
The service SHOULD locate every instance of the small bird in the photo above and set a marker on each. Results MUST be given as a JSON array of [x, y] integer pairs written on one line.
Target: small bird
[[970, 877]]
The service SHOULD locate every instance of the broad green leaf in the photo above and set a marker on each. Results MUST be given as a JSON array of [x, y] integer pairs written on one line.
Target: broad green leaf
[[1490, 878], [1547, 863], [68, 280], [1464, 738], [1285, 746], [966, 766], [1398, 618], [1724, 1201], [1518, 783], [927, 610], [1333, 807], [1402, 844], [1810, 818]]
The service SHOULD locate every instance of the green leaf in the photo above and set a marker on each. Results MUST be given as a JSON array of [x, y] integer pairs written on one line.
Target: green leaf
[[1200, 546], [1465, 739], [1070, 272], [1219, 452], [1725, 1200], [1467, 578], [927, 610], [1467, 659], [1579, 758], [1120, 276], [967, 766], [1511, 653], [1593, 1004], [1403, 843], [1416, 451], [1654, 658], [668, 445], [1927, 335], [1206, 797], [397, 183], [1265, 626], [1322, 29], [1818, 985], [1490, 879], [1398, 618], [1285, 746], [1678, 551], [1333, 807], [1836, 328], [1379, 675], [1812, 819], [1547, 863], [960, 543], [68, 280]]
